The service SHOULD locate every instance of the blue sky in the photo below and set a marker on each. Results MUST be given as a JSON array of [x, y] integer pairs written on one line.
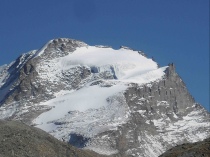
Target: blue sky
[[169, 30]]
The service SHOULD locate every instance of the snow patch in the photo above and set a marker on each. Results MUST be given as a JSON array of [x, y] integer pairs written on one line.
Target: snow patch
[[82, 100]]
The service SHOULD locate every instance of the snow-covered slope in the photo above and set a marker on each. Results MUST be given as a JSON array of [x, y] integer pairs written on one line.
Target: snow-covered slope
[[82, 107], [124, 65], [95, 97]]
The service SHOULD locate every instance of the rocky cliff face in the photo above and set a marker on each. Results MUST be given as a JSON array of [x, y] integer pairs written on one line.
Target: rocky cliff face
[[115, 102], [163, 114], [22, 86]]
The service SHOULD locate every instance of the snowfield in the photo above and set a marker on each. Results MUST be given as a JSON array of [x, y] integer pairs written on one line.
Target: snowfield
[[80, 101], [126, 63]]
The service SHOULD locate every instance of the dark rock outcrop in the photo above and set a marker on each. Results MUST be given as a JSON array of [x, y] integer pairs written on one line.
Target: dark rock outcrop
[[197, 149], [18, 139]]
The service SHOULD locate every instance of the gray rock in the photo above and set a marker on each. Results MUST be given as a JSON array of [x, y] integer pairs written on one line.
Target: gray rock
[[197, 149], [18, 139]]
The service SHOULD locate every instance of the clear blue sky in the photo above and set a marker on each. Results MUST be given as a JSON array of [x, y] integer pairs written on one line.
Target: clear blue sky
[[169, 30]]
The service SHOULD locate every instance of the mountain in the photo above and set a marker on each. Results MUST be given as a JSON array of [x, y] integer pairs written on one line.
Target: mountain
[[114, 102], [197, 149], [18, 139]]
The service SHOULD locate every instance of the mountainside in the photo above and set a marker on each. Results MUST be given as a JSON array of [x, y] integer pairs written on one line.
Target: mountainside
[[101, 99], [197, 149], [18, 139]]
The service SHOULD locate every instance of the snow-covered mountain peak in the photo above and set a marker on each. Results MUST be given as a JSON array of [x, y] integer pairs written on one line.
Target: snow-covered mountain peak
[[70, 52], [123, 64], [95, 97]]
